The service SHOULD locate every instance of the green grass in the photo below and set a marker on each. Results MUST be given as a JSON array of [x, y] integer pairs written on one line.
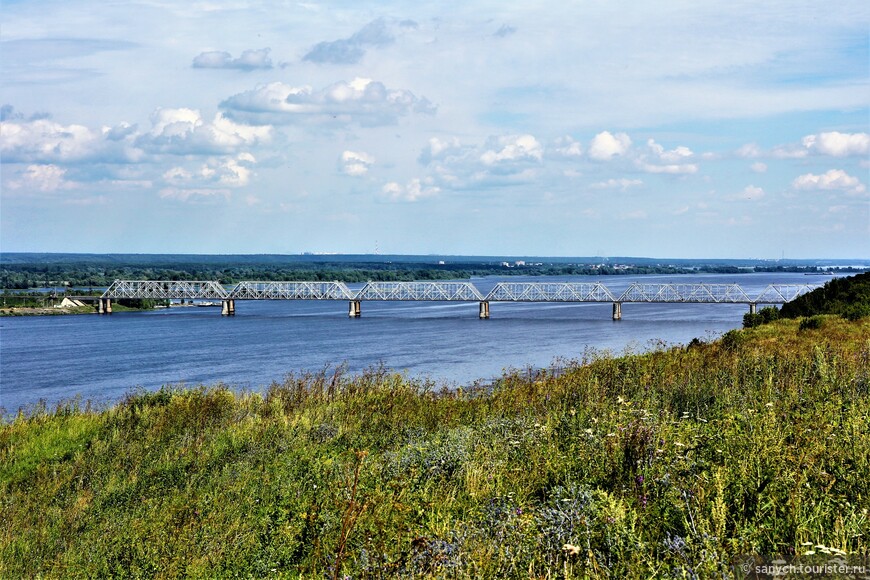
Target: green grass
[[669, 463]]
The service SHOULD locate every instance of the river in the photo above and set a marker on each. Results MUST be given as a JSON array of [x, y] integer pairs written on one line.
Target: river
[[101, 358]]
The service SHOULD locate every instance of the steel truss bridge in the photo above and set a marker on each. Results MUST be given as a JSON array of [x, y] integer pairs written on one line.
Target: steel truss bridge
[[448, 292]]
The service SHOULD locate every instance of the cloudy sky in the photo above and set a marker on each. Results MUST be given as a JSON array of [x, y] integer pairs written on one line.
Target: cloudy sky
[[668, 129]]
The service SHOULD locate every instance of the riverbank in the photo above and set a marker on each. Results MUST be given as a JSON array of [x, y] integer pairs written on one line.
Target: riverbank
[[58, 311], [671, 462]]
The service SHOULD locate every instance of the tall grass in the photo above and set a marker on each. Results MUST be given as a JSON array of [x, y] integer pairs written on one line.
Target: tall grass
[[670, 463]]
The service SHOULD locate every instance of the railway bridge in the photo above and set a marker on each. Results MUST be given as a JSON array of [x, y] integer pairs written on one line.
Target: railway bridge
[[700, 293]]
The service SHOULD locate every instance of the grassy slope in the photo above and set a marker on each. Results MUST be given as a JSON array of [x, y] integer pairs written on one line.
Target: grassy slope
[[674, 461]]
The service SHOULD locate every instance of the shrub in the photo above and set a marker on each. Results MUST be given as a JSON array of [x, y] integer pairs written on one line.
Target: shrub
[[811, 323]]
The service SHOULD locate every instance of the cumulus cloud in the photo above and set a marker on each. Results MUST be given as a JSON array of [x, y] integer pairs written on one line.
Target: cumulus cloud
[[838, 144], [606, 146], [568, 147], [659, 160], [351, 50], [439, 149], [512, 148], [41, 178], [833, 180], [216, 174], [621, 183], [184, 131], [356, 163], [414, 190], [248, 61], [361, 100], [43, 140]]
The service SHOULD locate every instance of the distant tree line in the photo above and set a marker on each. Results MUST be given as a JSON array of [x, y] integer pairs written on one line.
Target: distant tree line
[[82, 274]]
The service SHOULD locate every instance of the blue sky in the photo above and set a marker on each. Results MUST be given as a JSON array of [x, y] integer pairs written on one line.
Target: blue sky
[[666, 129]]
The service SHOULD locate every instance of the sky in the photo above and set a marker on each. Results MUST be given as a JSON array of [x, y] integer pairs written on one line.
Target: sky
[[715, 129]]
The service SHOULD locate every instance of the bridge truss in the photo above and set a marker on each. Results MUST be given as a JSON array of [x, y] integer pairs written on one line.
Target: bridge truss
[[291, 291], [450, 292], [166, 290], [420, 291]]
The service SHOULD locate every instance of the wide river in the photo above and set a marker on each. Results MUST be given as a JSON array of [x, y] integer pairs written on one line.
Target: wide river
[[101, 358]]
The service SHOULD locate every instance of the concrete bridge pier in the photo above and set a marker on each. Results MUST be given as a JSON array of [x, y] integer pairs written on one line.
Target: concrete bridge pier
[[617, 311], [484, 310], [104, 306], [228, 307], [354, 309], [752, 308]]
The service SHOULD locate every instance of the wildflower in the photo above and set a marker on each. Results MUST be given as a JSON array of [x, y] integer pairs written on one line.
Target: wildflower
[[571, 549]]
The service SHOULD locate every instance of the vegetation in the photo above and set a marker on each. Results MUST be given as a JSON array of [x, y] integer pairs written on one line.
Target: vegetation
[[846, 297], [25, 304], [664, 464], [22, 271]]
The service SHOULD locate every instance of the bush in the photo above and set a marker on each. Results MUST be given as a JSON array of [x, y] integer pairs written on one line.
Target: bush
[[811, 323], [769, 314], [751, 320], [856, 311]]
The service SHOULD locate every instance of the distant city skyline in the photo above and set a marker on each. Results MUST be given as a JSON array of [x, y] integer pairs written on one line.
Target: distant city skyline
[[688, 130]]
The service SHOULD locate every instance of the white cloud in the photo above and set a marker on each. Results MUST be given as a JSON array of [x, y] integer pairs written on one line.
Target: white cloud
[[183, 131], [249, 60], [621, 183], [220, 173], [43, 178], [658, 160], [356, 163], [439, 149], [749, 150], [605, 146], [415, 190], [567, 147], [751, 193], [360, 100], [759, 167], [43, 140], [513, 148], [833, 180], [838, 144]]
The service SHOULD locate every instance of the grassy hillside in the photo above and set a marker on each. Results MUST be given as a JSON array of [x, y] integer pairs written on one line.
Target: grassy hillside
[[669, 463]]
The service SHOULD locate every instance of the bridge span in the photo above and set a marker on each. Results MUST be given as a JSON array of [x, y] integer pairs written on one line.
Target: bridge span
[[448, 292]]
